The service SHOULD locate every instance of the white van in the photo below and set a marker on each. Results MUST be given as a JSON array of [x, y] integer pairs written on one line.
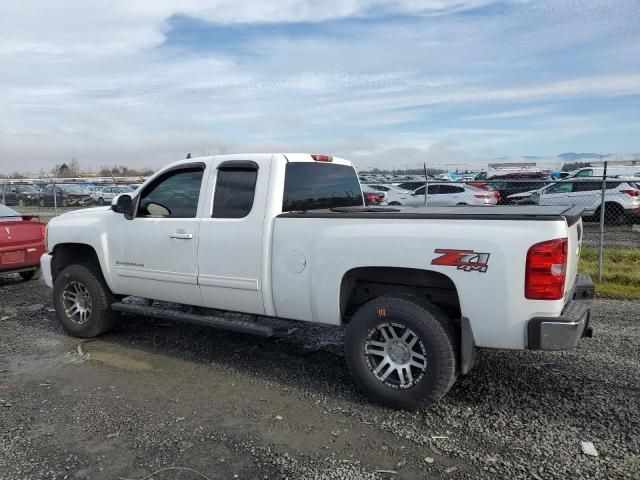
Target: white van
[[612, 171]]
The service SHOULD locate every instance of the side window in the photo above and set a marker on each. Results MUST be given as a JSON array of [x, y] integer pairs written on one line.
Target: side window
[[587, 186], [435, 189], [173, 195], [564, 187], [235, 190], [451, 189], [585, 173], [420, 191]]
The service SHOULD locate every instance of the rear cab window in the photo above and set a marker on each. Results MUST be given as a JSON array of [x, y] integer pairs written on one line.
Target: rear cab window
[[319, 185]]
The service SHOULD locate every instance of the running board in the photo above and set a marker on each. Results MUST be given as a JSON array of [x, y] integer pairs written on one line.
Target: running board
[[221, 323]]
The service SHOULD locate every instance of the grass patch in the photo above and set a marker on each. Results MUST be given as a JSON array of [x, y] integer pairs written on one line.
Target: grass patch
[[620, 271]]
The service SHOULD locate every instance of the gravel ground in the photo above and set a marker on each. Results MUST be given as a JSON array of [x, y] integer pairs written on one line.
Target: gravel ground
[[615, 236], [152, 395]]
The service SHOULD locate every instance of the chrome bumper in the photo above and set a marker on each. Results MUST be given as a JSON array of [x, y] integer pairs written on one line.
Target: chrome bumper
[[564, 332]]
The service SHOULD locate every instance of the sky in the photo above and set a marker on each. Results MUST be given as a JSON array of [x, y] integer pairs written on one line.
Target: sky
[[380, 82]]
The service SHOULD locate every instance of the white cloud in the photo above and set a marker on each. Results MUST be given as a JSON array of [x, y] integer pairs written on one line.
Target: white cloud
[[98, 81]]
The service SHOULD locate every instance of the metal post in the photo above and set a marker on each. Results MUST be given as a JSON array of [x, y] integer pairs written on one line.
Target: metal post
[[3, 201], [426, 185], [602, 213]]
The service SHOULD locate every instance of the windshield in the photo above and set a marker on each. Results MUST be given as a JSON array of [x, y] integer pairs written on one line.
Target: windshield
[[27, 189]]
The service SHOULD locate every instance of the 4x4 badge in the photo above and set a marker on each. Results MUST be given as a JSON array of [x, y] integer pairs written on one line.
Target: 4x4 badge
[[466, 260]]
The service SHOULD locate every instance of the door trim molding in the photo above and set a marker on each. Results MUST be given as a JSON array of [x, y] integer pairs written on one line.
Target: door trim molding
[[229, 282]]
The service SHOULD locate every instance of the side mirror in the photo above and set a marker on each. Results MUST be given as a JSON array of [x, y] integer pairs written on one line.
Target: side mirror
[[123, 204]]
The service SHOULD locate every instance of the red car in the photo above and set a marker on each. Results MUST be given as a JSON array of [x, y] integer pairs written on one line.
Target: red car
[[22, 243]]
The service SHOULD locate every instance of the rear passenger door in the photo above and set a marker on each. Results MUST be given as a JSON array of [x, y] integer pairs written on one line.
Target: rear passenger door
[[230, 251]]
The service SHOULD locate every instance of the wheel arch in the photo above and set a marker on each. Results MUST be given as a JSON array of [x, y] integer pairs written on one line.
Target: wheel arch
[[65, 254], [362, 284]]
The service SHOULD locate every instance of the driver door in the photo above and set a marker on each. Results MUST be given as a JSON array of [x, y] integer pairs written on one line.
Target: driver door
[[155, 253]]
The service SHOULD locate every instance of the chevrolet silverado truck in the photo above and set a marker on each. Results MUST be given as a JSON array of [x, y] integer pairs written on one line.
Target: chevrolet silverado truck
[[235, 241]]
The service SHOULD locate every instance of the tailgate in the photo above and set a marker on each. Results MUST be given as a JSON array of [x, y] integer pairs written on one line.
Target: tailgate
[[16, 231], [574, 235]]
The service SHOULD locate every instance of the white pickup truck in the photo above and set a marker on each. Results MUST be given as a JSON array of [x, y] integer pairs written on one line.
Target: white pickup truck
[[287, 236]]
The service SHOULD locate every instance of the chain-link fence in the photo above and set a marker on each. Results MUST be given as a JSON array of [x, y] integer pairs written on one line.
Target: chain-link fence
[[609, 196]]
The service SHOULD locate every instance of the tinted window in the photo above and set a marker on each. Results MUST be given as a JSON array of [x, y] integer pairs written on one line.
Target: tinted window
[[451, 189], [585, 173], [586, 186], [314, 185], [433, 190], [420, 191], [177, 192], [235, 189]]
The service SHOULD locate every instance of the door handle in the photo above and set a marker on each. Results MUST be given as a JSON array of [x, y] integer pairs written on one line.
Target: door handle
[[182, 236]]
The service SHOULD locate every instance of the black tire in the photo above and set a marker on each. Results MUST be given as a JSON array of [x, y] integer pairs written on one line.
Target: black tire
[[395, 204], [101, 201], [462, 204], [614, 214], [101, 318], [30, 274], [435, 340], [21, 203]]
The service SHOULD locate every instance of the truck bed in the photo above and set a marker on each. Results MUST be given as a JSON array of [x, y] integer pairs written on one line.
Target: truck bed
[[500, 212]]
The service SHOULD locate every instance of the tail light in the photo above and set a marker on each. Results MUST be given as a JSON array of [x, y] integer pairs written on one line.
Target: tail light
[[322, 158], [43, 231], [484, 195], [631, 193], [546, 270]]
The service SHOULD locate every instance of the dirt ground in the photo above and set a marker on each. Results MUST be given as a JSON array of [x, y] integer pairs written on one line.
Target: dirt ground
[[153, 395]]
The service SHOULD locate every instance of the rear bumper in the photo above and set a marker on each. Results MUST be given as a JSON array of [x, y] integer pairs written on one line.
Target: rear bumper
[[564, 332], [30, 253]]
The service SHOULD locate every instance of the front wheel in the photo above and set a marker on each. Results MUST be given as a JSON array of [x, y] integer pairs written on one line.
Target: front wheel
[[401, 351], [101, 201], [83, 301]]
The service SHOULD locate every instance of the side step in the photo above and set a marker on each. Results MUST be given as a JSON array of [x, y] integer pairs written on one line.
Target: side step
[[221, 323]]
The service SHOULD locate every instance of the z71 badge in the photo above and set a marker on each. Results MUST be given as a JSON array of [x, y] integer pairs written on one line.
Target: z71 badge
[[466, 260]]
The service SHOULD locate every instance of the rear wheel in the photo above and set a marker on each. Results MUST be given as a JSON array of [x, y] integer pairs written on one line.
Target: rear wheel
[[401, 351], [83, 301], [614, 214], [395, 204], [101, 201]]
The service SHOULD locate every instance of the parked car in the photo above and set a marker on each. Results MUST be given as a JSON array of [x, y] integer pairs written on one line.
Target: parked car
[[448, 194], [20, 195], [371, 195], [21, 243], [508, 187], [393, 195], [612, 171], [622, 198], [65, 196], [108, 193], [287, 236]]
